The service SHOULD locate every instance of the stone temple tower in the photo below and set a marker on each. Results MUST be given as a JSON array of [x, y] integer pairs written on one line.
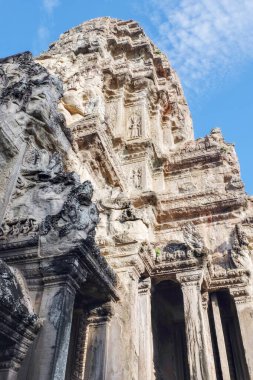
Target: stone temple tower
[[125, 244]]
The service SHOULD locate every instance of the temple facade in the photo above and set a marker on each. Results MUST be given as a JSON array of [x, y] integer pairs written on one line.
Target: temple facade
[[125, 244]]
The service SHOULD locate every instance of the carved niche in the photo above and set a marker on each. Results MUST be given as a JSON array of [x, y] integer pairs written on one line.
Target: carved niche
[[135, 125]]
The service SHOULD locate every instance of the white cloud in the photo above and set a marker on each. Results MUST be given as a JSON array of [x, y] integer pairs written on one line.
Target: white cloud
[[43, 33], [205, 39], [50, 5], [41, 39]]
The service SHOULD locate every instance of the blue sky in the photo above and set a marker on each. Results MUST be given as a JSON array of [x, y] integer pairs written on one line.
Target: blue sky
[[209, 43]]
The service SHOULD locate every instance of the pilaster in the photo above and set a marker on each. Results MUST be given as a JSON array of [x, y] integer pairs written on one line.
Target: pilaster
[[97, 343], [49, 358], [196, 331], [244, 306], [146, 365], [62, 277], [205, 303], [123, 337], [220, 337]]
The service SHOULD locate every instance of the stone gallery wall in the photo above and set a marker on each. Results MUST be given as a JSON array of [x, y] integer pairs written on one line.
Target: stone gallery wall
[[96, 136]]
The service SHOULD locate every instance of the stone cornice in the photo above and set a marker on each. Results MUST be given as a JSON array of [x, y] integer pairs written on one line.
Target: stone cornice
[[74, 266], [198, 205]]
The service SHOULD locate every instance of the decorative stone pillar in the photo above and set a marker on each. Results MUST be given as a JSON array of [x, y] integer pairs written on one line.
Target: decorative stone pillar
[[244, 307], [123, 339], [220, 337], [97, 343], [205, 302], [196, 332], [146, 365], [77, 349], [50, 352], [62, 277]]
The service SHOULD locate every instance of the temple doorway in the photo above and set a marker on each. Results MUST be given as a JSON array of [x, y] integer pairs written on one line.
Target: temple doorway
[[170, 351]]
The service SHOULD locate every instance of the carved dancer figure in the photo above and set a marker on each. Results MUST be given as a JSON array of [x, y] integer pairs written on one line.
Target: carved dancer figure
[[137, 178], [15, 229], [135, 126]]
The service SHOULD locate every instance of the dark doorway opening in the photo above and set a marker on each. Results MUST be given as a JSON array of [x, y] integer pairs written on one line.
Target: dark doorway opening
[[170, 350]]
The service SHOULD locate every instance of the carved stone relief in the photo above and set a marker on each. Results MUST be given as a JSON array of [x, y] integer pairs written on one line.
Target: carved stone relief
[[135, 125], [136, 177]]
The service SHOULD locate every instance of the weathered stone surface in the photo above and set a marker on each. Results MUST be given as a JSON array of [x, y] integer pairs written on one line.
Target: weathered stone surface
[[103, 106]]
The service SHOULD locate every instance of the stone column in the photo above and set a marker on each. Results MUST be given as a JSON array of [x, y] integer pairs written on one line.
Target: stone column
[[146, 365], [205, 300], [123, 339], [77, 349], [49, 358], [97, 343], [244, 307], [220, 337], [196, 332]]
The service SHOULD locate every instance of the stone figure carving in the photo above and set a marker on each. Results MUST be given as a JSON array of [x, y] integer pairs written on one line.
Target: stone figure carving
[[175, 251], [18, 228], [132, 214], [192, 247], [194, 241], [79, 101], [77, 213], [42, 187], [137, 178], [41, 166], [240, 253], [135, 122]]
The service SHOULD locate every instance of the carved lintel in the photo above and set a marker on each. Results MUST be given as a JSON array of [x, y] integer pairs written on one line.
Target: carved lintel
[[241, 295], [192, 279], [229, 278], [69, 268]]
